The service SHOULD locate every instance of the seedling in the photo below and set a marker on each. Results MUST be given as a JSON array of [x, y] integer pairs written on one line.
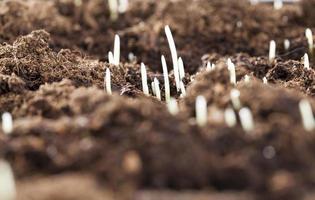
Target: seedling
[[7, 123], [201, 111], [166, 79], [153, 87], [272, 50], [246, 119], [231, 68], [230, 117], [172, 106], [113, 9], [235, 98], [265, 80], [277, 4], [145, 87], [108, 82], [7, 183], [308, 119], [172, 46], [157, 89], [123, 6], [310, 41], [306, 62], [286, 44], [210, 66], [182, 89], [117, 50], [247, 78], [111, 59], [181, 68]]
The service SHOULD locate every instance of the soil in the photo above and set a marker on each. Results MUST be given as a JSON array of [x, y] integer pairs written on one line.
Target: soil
[[69, 131]]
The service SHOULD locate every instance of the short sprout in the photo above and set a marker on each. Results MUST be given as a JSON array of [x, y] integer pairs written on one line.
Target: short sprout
[[310, 41], [235, 98], [272, 50], [246, 119], [166, 79], [111, 59], [306, 62], [247, 78], [231, 68], [123, 6], [286, 44], [7, 183], [181, 68], [113, 9], [157, 89], [277, 4], [153, 87], [108, 81], [182, 89], [201, 111], [7, 123], [172, 106], [265, 80], [230, 117], [117, 50], [307, 115], [145, 87]]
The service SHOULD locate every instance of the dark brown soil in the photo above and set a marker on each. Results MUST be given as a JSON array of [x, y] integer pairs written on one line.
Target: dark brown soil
[[68, 131]]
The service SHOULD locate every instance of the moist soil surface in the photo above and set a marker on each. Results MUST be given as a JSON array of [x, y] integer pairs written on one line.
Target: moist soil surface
[[72, 140]]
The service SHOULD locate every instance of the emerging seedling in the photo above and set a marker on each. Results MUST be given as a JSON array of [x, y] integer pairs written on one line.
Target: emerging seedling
[[309, 37], [108, 82], [277, 4], [123, 6], [111, 59], [235, 98], [153, 87], [145, 87], [286, 44], [181, 68], [117, 50], [172, 46], [157, 89], [166, 79], [306, 62], [247, 78], [230, 117], [201, 111], [113, 9], [7, 183], [246, 119], [308, 119], [231, 68], [272, 50], [7, 123], [172, 106], [265, 80], [182, 89], [210, 66]]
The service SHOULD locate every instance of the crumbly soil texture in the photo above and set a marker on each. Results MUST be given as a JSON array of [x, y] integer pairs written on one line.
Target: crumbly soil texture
[[71, 140]]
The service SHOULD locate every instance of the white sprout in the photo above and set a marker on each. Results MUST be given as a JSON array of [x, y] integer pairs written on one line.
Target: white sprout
[[108, 82], [166, 79], [7, 123], [182, 89], [247, 78], [272, 50], [113, 9], [307, 115], [286, 44], [254, 2], [181, 68], [117, 50], [230, 117], [123, 6], [265, 80], [209, 67], [172, 106], [213, 66], [153, 87], [309, 37], [111, 59], [201, 111], [172, 46], [246, 119], [306, 62], [231, 68], [7, 183], [157, 89], [235, 98], [144, 79], [277, 4]]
